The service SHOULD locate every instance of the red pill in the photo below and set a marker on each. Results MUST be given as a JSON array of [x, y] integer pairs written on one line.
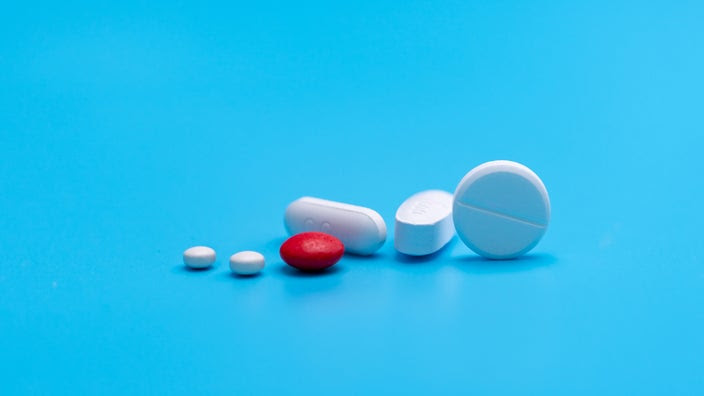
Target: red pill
[[311, 251]]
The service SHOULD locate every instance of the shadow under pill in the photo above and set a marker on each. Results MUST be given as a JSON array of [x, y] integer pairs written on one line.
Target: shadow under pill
[[482, 265], [408, 259], [287, 270], [305, 286], [232, 275], [362, 257]]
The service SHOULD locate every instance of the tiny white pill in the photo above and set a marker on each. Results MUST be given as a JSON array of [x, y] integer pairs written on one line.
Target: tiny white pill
[[424, 223], [361, 230], [199, 257], [246, 263], [501, 209]]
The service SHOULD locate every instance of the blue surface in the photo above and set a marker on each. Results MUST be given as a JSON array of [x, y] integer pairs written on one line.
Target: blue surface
[[131, 132]]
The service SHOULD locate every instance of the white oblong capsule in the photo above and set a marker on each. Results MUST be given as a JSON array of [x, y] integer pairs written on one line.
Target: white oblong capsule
[[424, 223], [361, 230]]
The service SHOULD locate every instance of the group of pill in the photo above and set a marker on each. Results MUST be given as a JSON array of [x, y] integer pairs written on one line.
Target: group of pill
[[500, 210]]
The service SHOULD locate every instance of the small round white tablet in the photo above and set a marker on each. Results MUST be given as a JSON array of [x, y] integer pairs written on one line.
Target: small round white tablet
[[199, 257], [246, 262], [501, 209]]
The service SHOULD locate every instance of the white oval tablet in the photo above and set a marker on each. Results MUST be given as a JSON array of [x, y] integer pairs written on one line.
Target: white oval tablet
[[246, 263], [360, 229], [199, 257], [424, 223], [501, 209]]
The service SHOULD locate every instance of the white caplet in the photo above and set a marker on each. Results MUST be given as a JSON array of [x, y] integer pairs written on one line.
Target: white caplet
[[199, 257], [361, 230], [424, 223], [246, 263], [501, 209]]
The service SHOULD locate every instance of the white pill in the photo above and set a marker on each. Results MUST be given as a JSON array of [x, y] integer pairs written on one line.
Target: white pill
[[360, 229], [199, 257], [424, 223], [246, 262], [501, 209]]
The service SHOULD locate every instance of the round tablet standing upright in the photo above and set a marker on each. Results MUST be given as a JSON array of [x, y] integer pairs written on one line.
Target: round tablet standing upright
[[246, 263], [199, 257], [501, 209]]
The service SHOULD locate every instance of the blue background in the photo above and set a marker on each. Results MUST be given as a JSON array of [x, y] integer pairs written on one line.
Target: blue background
[[130, 132]]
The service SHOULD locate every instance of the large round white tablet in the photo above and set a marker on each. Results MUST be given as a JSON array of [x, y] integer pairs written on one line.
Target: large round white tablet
[[199, 257], [246, 263], [501, 209]]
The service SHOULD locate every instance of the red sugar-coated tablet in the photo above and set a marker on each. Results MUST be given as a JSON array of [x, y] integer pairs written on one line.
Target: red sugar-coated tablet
[[311, 251]]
